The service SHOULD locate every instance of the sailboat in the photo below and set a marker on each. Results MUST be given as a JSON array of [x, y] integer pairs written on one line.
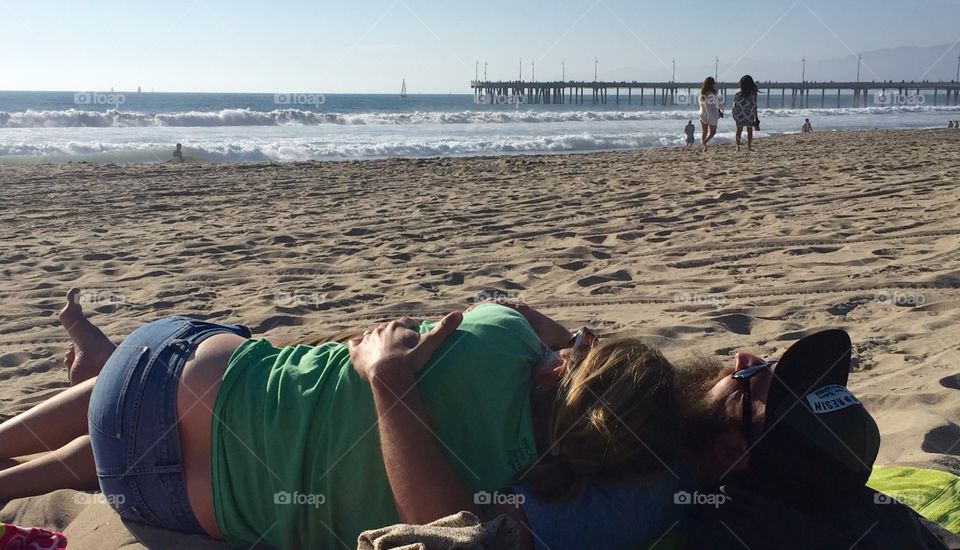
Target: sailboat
[[403, 88]]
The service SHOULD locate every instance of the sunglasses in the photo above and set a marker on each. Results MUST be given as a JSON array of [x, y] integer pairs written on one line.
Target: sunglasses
[[583, 338], [744, 376]]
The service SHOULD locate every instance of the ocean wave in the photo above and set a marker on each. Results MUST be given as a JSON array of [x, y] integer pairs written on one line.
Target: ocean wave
[[115, 118], [297, 150]]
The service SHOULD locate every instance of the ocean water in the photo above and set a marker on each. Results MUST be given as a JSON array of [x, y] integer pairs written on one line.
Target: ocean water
[[144, 127]]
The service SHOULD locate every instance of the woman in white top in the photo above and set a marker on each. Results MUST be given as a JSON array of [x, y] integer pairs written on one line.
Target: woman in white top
[[710, 111]]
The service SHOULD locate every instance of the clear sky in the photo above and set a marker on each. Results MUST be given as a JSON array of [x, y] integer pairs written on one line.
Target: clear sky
[[369, 45]]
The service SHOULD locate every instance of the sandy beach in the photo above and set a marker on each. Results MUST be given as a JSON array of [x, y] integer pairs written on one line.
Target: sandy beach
[[699, 253]]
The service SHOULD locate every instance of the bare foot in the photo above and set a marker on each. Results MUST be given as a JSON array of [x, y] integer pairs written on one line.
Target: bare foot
[[90, 348]]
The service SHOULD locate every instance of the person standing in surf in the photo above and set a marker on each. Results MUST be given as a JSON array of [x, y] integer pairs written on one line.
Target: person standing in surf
[[745, 110], [710, 111]]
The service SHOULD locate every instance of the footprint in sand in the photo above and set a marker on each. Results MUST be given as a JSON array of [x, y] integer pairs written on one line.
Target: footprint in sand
[[573, 266], [951, 382], [453, 278], [689, 264], [277, 321], [737, 323], [283, 240], [97, 257], [812, 250], [14, 359], [942, 440], [846, 307], [619, 275]]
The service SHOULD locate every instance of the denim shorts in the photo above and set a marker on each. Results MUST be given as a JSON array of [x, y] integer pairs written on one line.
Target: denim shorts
[[133, 422]]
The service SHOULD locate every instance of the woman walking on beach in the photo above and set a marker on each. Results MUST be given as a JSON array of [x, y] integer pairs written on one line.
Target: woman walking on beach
[[196, 427], [710, 111], [745, 110]]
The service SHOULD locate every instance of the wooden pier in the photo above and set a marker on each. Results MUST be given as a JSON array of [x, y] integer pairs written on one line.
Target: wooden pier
[[687, 93]]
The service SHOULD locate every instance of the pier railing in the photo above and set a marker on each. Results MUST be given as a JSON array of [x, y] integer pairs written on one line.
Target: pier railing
[[687, 93]]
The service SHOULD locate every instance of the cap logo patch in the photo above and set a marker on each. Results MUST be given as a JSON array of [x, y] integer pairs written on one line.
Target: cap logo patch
[[830, 399]]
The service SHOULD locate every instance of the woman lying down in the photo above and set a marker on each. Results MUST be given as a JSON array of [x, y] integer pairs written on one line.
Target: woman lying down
[[197, 427]]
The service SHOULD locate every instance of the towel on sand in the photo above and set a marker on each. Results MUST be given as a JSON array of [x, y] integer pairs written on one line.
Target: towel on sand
[[933, 494], [459, 531]]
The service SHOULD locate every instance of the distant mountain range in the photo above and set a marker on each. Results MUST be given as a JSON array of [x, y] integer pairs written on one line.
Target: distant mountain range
[[905, 63]]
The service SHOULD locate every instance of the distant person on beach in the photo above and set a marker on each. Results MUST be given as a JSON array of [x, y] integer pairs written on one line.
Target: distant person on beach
[[710, 111], [178, 153], [807, 127], [745, 110], [690, 130]]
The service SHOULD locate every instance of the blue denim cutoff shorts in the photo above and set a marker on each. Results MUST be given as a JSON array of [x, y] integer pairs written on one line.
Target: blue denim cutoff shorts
[[133, 422]]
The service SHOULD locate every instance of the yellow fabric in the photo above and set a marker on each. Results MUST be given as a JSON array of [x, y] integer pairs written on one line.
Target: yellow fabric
[[933, 494]]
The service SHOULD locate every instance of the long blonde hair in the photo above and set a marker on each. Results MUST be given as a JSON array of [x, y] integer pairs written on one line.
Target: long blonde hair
[[612, 420]]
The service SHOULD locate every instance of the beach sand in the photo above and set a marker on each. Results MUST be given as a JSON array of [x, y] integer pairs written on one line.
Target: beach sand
[[697, 253]]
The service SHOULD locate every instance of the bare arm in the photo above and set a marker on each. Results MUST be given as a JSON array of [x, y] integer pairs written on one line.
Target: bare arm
[[425, 486]]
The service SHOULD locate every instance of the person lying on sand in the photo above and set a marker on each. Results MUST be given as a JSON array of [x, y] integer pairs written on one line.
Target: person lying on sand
[[799, 449], [791, 445], [279, 446]]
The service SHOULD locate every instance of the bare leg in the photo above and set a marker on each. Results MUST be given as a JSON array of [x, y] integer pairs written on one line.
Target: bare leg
[[750, 138], [739, 134], [90, 348], [69, 467], [48, 426], [704, 138]]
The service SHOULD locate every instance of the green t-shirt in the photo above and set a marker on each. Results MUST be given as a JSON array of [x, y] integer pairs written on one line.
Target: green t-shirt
[[296, 450]]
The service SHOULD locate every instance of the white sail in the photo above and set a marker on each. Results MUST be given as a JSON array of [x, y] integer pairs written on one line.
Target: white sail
[[403, 88]]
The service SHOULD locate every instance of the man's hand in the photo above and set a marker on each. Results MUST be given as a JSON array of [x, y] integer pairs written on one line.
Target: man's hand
[[397, 346]]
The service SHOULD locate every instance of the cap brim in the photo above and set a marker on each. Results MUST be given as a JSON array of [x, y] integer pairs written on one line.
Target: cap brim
[[815, 361]]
